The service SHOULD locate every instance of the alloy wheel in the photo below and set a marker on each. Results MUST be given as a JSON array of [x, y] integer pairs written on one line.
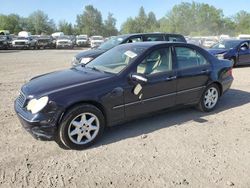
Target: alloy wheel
[[83, 128]]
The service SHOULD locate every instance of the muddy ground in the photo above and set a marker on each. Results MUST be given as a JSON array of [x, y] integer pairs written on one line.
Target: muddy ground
[[180, 148]]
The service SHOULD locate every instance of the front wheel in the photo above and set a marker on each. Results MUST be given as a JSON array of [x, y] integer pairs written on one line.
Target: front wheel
[[209, 98], [81, 127]]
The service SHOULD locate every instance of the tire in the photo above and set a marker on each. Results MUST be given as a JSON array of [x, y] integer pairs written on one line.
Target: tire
[[209, 99], [77, 134]]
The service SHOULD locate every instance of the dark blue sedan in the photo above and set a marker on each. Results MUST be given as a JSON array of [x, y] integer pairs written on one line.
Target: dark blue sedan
[[74, 106], [235, 50]]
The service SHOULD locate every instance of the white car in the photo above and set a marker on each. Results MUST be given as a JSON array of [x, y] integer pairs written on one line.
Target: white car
[[208, 43], [82, 40], [64, 42], [24, 43], [96, 41]]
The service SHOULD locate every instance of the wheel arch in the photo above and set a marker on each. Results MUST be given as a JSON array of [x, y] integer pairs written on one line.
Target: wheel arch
[[87, 102], [219, 86]]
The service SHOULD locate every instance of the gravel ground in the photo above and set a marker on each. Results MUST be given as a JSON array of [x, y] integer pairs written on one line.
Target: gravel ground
[[181, 148]]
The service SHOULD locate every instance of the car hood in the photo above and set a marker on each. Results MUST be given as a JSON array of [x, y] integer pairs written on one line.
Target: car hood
[[61, 80], [217, 51], [20, 40], [89, 53], [63, 40], [97, 41]]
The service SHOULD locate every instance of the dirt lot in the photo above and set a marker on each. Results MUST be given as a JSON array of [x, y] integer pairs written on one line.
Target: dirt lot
[[184, 148]]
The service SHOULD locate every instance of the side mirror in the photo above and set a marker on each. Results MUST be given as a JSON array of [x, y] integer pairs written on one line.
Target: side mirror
[[243, 48], [138, 78]]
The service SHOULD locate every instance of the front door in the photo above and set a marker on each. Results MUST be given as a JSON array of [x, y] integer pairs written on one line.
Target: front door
[[159, 91], [244, 53]]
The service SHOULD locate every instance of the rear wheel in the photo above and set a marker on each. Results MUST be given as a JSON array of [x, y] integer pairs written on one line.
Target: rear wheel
[[81, 127], [209, 98]]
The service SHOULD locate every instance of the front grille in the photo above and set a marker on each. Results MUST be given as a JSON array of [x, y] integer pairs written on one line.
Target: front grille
[[20, 43], [21, 100], [63, 42]]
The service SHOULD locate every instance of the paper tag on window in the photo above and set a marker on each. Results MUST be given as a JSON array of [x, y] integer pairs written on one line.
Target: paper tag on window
[[130, 54], [137, 89]]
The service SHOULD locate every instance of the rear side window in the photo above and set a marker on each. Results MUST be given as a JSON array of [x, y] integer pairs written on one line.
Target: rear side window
[[134, 39], [188, 58], [154, 38], [176, 39]]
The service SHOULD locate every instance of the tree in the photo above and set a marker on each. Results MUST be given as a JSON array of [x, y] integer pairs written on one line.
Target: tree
[[39, 22], [65, 27], [152, 23], [90, 22], [109, 26], [141, 23], [10, 22], [242, 20]]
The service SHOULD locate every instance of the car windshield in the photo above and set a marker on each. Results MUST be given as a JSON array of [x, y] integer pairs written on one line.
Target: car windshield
[[116, 59], [97, 38], [114, 41], [226, 44]]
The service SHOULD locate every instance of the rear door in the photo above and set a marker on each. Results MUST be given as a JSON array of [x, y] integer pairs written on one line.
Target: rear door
[[193, 72], [244, 53]]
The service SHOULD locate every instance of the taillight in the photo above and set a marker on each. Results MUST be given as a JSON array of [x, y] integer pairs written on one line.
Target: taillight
[[230, 72]]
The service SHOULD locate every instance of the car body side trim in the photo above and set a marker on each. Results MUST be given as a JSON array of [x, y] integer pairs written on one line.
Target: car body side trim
[[158, 97]]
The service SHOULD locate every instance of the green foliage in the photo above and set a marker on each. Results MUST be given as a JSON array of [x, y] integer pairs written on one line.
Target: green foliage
[[65, 27], [90, 22], [141, 24], [38, 22], [185, 18], [10, 22], [242, 20], [109, 26]]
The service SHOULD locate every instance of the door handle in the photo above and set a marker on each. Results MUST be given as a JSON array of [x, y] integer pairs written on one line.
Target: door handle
[[205, 71], [171, 78]]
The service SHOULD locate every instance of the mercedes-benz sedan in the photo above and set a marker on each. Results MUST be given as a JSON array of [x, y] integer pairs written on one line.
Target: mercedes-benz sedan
[[74, 106]]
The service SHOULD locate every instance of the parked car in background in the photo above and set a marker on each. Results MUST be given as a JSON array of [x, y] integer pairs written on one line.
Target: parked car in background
[[64, 42], [96, 41], [5, 42], [87, 56], [209, 42], [75, 105], [235, 50], [44, 42], [244, 37], [24, 43], [82, 40]]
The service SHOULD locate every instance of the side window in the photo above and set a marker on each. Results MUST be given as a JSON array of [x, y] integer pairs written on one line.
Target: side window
[[153, 38], [157, 61], [175, 39], [187, 58], [134, 39]]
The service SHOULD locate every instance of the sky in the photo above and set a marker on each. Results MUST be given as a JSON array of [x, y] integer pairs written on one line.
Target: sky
[[122, 9]]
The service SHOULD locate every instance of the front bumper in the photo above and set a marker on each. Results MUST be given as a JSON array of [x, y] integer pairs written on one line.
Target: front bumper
[[42, 125], [64, 46]]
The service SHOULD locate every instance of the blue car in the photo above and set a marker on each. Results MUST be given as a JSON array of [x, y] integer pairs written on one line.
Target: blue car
[[235, 50]]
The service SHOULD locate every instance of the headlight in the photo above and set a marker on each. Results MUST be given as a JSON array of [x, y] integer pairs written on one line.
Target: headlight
[[220, 56], [36, 105], [85, 60]]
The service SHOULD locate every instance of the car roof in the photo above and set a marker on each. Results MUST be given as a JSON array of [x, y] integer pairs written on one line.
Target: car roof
[[154, 43], [153, 33]]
